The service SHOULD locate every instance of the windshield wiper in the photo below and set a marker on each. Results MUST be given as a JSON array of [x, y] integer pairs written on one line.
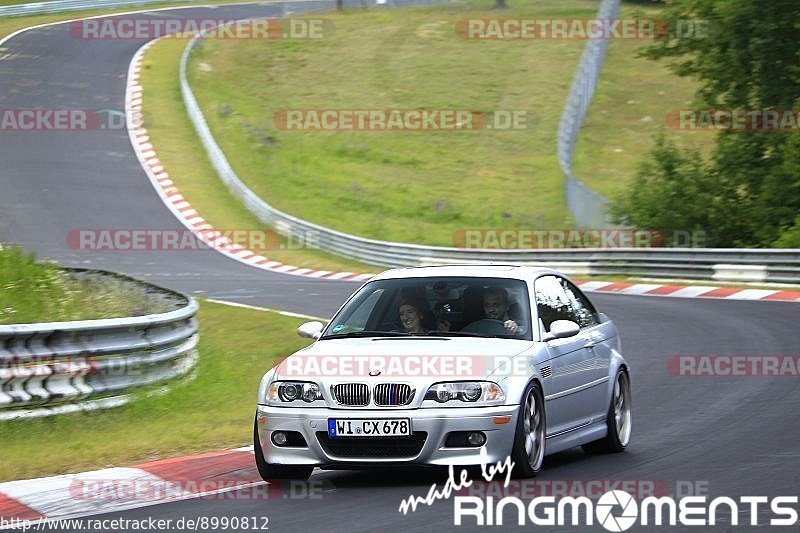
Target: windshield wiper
[[439, 333], [366, 333]]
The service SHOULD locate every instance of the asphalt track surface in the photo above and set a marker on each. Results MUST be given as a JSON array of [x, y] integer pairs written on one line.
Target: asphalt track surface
[[737, 436], [52, 182]]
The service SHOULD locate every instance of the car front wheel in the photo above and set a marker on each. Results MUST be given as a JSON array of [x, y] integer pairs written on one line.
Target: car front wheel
[[529, 440]]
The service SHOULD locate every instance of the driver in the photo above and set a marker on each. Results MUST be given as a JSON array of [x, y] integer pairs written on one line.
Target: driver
[[495, 307]]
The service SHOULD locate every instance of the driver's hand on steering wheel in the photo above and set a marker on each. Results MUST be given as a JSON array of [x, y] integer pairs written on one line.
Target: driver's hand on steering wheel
[[512, 328]]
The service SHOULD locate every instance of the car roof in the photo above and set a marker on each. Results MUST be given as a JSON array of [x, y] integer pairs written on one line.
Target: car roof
[[487, 270]]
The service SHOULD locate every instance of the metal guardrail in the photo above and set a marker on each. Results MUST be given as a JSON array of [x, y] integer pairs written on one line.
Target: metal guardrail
[[60, 6], [588, 208], [57, 367], [779, 266]]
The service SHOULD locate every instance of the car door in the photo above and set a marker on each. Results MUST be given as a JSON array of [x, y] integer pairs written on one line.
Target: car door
[[596, 338], [567, 395]]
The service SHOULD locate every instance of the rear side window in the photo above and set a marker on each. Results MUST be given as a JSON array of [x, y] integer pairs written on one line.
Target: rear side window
[[558, 299], [552, 301], [582, 309]]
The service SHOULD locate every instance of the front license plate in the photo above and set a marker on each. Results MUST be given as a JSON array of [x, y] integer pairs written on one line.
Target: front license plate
[[369, 427]]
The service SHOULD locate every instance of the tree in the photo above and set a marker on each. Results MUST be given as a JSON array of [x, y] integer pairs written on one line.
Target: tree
[[748, 60], [666, 191]]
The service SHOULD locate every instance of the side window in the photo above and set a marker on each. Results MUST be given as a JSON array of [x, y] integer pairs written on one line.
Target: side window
[[552, 301], [583, 311]]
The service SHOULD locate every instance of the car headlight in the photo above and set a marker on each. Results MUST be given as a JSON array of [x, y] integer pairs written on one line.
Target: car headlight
[[283, 392], [464, 392]]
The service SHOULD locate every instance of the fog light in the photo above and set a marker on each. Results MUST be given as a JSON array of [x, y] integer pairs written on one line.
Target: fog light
[[476, 438], [279, 438]]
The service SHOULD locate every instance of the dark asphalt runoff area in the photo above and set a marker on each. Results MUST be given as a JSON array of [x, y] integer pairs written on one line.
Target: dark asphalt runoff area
[[729, 436]]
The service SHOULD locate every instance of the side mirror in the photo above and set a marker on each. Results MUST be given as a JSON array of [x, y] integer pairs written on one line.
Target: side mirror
[[561, 329], [310, 330]]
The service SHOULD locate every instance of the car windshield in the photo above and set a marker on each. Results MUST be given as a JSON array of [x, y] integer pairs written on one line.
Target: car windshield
[[440, 306]]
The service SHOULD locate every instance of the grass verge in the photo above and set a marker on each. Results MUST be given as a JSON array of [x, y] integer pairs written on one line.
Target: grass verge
[[411, 186], [41, 292], [184, 158], [210, 412], [629, 107]]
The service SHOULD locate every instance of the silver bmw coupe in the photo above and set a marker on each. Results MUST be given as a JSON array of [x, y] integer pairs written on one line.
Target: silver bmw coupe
[[449, 365]]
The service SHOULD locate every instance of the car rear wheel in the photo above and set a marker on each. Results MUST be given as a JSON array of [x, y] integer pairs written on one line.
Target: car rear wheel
[[529, 440], [618, 419], [269, 471]]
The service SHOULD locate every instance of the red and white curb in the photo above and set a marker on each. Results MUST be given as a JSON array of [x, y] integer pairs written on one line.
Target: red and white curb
[[181, 208], [210, 476], [689, 291]]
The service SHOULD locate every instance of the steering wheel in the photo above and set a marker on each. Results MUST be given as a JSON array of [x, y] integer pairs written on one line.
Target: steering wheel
[[486, 326]]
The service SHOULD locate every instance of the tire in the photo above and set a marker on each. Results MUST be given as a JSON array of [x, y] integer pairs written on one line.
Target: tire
[[529, 438], [618, 419], [270, 471]]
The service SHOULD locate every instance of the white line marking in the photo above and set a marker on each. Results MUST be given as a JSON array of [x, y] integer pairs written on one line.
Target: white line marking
[[257, 308]]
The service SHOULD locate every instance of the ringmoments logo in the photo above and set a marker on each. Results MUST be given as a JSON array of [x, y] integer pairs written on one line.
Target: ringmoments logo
[[618, 510], [605, 508], [615, 510]]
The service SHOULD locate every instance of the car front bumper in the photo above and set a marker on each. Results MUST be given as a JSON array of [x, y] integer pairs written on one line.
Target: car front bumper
[[436, 423]]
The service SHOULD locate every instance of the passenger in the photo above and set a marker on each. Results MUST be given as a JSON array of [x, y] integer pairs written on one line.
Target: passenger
[[411, 317], [495, 307]]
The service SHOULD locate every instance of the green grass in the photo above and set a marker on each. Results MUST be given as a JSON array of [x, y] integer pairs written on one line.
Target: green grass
[[40, 292], [630, 106], [211, 412], [406, 186], [183, 157]]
